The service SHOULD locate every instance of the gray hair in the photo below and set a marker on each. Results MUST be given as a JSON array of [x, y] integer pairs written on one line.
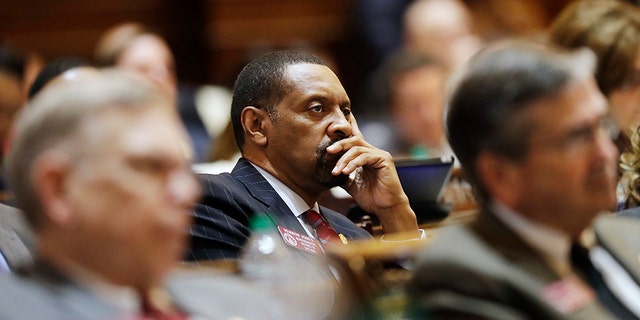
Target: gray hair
[[53, 120], [498, 83]]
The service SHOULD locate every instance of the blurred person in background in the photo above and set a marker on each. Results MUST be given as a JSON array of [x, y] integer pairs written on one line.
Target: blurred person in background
[[442, 29], [132, 46], [108, 199], [12, 97], [531, 129], [409, 90], [611, 29], [435, 32], [57, 67]]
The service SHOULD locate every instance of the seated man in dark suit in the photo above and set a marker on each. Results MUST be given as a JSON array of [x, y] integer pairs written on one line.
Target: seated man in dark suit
[[530, 128], [100, 168], [293, 124]]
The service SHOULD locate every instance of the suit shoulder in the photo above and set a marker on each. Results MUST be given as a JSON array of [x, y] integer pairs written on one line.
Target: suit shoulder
[[460, 248], [12, 217], [222, 186], [22, 298], [460, 274], [221, 179]]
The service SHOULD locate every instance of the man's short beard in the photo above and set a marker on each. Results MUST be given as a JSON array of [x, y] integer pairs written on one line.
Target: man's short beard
[[324, 166]]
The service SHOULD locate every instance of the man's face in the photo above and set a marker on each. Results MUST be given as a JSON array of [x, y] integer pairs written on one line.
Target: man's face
[[133, 193], [150, 57], [315, 112], [624, 102], [569, 173], [418, 105]]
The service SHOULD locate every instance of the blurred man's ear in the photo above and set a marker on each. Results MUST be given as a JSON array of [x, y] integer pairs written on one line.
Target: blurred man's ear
[[50, 172], [501, 177], [254, 124]]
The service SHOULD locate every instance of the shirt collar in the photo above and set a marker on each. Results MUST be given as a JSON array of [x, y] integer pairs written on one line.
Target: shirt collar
[[551, 243], [295, 202], [123, 298]]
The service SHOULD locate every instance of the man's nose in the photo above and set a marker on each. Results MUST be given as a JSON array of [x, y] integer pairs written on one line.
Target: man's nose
[[605, 146], [340, 126], [183, 188]]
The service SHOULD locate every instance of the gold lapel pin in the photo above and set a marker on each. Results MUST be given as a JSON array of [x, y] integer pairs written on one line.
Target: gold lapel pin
[[343, 238]]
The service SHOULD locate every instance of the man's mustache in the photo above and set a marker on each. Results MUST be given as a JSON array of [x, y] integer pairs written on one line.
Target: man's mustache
[[322, 149]]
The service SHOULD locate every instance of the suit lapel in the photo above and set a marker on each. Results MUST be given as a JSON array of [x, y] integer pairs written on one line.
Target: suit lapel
[[523, 257], [512, 247], [262, 191]]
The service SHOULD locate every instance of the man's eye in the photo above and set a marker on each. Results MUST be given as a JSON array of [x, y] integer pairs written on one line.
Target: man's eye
[[316, 108], [147, 165], [579, 137], [346, 111]]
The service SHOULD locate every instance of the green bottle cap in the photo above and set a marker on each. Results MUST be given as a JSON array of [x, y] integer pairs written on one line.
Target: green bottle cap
[[260, 221]]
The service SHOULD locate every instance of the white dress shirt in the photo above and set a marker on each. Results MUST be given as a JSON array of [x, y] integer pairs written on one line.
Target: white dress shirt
[[295, 203], [122, 298], [299, 206], [4, 266]]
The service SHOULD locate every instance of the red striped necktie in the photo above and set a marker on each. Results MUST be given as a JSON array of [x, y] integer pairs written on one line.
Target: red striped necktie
[[325, 232]]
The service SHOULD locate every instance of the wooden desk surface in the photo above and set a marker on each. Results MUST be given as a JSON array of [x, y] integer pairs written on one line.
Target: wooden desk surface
[[454, 217], [458, 216]]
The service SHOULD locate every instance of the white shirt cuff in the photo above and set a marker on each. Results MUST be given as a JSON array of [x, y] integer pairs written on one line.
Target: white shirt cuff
[[423, 235]]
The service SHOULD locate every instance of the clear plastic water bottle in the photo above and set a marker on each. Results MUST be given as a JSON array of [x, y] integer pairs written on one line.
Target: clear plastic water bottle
[[264, 257], [298, 289]]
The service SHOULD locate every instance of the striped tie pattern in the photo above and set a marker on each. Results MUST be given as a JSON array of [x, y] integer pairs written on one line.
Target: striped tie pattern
[[325, 232]]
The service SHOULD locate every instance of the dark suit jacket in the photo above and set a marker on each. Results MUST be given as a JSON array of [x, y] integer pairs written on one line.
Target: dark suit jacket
[[221, 224], [16, 238], [485, 271]]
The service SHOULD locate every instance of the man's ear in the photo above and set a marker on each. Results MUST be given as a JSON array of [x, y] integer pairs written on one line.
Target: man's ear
[[501, 177], [254, 122], [50, 174]]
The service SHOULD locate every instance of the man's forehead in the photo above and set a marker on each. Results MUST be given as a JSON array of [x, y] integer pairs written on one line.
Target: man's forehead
[[312, 76], [298, 70], [579, 103], [150, 132]]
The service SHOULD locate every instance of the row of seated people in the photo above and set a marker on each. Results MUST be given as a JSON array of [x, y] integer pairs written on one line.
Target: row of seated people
[[110, 192]]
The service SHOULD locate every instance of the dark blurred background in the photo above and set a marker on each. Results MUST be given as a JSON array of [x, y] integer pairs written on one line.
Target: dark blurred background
[[212, 39]]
